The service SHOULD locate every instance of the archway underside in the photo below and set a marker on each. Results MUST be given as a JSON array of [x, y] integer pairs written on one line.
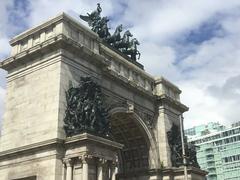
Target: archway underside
[[135, 154]]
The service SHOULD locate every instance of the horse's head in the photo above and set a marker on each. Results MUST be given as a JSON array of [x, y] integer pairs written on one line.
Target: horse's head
[[105, 19], [127, 33], [135, 41]]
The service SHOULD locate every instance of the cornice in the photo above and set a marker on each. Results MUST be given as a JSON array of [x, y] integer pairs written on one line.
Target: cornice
[[62, 41], [171, 102], [60, 17], [119, 58], [159, 80], [57, 42], [92, 138], [31, 147], [56, 142], [167, 171], [95, 51]]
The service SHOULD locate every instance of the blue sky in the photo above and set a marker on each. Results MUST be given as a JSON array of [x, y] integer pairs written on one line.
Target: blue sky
[[194, 44]]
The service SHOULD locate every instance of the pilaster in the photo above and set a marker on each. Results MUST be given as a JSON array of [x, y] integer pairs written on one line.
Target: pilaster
[[69, 168], [169, 108]]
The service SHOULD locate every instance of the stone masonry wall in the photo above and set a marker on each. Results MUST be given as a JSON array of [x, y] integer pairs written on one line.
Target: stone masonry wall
[[32, 98]]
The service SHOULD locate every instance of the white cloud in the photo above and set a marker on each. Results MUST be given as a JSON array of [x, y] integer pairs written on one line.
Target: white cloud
[[44, 9], [203, 107], [228, 96], [4, 15], [214, 61], [164, 20], [214, 71], [4, 45], [159, 60]]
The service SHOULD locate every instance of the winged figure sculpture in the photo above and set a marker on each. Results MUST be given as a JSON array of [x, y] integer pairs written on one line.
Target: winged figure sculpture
[[94, 17]]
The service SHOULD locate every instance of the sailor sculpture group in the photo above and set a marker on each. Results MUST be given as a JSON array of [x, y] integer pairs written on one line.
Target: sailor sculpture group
[[122, 43], [175, 144]]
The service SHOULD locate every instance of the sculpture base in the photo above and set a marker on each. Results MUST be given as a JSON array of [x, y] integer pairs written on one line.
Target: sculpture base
[[88, 156], [165, 174]]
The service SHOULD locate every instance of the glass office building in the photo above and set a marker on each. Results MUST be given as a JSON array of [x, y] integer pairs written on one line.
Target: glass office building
[[218, 150], [204, 129]]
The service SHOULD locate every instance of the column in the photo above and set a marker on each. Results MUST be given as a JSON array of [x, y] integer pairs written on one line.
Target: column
[[68, 163], [100, 169], [113, 171], [85, 161]]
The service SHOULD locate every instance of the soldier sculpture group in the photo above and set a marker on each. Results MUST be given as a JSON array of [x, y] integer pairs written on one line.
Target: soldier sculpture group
[[85, 110], [123, 44]]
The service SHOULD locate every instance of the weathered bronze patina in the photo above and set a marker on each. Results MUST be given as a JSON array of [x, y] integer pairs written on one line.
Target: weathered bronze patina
[[85, 109], [99, 25], [174, 140]]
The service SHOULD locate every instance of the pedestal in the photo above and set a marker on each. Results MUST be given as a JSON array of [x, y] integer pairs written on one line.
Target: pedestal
[[97, 156]]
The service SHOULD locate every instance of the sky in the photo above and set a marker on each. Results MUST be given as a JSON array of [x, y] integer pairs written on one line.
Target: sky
[[194, 44]]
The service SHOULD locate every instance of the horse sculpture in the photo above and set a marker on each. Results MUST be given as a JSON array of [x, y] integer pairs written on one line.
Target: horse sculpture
[[116, 35], [124, 43], [132, 49]]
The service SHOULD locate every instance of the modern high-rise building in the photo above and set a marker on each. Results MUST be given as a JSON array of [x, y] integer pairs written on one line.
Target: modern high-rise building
[[218, 150], [204, 129]]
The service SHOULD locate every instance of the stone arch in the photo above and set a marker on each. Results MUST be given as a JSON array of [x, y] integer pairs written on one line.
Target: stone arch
[[142, 148]]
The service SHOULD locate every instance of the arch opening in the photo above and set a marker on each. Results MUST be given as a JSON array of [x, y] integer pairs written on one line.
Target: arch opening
[[128, 131]]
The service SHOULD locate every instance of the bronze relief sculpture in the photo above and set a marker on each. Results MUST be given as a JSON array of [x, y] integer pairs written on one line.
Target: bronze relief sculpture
[[85, 110], [174, 141]]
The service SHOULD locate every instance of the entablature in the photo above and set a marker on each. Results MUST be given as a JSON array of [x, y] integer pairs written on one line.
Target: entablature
[[64, 32]]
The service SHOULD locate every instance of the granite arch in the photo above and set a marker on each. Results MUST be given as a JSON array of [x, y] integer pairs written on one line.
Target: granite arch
[[120, 114]]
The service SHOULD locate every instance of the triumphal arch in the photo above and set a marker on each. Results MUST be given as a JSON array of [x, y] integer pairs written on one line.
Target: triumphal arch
[[80, 107]]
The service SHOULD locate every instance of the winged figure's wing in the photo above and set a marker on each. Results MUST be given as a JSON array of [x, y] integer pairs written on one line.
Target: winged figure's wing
[[85, 18]]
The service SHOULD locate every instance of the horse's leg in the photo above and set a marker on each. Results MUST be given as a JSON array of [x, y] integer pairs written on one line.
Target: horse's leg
[[139, 54], [109, 40], [133, 56]]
